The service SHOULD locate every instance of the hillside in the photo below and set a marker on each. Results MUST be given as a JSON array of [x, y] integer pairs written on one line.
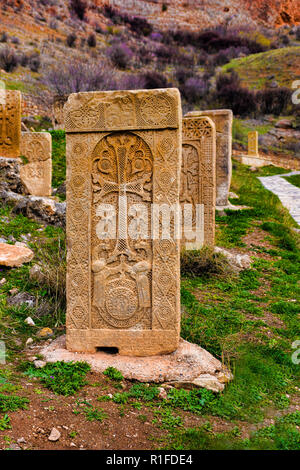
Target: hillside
[[282, 65], [198, 14]]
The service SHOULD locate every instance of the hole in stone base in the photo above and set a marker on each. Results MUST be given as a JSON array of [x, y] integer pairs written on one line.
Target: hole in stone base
[[108, 350]]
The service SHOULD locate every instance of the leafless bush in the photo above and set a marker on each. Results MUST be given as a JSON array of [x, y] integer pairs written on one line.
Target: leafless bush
[[8, 59], [71, 39], [78, 76]]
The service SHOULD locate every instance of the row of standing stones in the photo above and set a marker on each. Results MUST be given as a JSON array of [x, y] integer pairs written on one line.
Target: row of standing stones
[[124, 292]]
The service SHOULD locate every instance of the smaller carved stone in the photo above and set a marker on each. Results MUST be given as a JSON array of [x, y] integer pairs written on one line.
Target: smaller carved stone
[[10, 123], [36, 175], [222, 119]]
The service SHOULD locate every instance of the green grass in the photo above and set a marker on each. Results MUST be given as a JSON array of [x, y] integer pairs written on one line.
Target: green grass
[[5, 423], [240, 130], [58, 157], [293, 179], [64, 378], [12, 403], [95, 414], [282, 63], [283, 435], [227, 316], [113, 374]]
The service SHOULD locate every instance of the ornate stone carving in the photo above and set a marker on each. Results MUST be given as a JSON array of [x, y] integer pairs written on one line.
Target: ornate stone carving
[[36, 175], [100, 112], [58, 110], [198, 177], [253, 144], [122, 286], [222, 119], [10, 123]]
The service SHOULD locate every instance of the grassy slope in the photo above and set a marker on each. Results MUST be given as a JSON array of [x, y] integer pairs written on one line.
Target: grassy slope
[[284, 64], [248, 320], [293, 179]]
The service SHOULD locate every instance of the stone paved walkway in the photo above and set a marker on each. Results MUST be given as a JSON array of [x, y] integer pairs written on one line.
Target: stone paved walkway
[[288, 194]]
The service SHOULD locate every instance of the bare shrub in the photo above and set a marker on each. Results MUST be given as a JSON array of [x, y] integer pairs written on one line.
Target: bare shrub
[[197, 263], [78, 76], [51, 267], [91, 40], [120, 55], [79, 8], [8, 59], [71, 39]]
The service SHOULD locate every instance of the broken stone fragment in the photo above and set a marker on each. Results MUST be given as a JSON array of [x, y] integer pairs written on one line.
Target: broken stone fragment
[[237, 261], [45, 333], [29, 321], [14, 256], [54, 435]]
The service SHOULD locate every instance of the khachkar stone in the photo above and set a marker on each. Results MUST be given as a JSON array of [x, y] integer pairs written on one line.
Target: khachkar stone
[[58, 110], [36, 173], [222, 119], [10, 123], [123, 155], [253, 144], [198, 179]]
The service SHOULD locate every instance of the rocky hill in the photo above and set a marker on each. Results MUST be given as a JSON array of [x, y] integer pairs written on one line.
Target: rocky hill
[[198, 14]]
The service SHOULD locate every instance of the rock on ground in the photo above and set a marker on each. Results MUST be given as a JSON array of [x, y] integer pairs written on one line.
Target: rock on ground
[[54, 435], [10, 175], [14, 255], [41, 209], [189, 365], [237, 261]]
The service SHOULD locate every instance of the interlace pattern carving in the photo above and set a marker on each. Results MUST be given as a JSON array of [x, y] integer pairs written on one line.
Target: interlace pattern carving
[[10, 123], [198, 175], [122, 284]]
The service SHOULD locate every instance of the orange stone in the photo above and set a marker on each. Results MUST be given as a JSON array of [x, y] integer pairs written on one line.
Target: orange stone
[[14, 256]]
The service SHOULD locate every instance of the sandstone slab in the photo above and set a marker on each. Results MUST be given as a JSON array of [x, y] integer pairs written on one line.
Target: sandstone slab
[[189, 364], [198, 181], [222, 119], [36, 174], [10, 123], [14, 256], [123, 155]]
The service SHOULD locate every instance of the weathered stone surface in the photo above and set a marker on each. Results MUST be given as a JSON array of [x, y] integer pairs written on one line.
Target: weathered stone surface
[[10, 175], [58, 110], [222, 119], [236, 260], [36, 175], [54, 435], [123, 149], [188, 364], [22, 298], [14, 256], [10, 123], [253, 144], [198, 178], [41, 209]]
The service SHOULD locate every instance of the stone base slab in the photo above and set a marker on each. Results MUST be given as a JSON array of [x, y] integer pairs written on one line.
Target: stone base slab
[[189, 365], [128, 342], [254, 160], [232, 207]]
